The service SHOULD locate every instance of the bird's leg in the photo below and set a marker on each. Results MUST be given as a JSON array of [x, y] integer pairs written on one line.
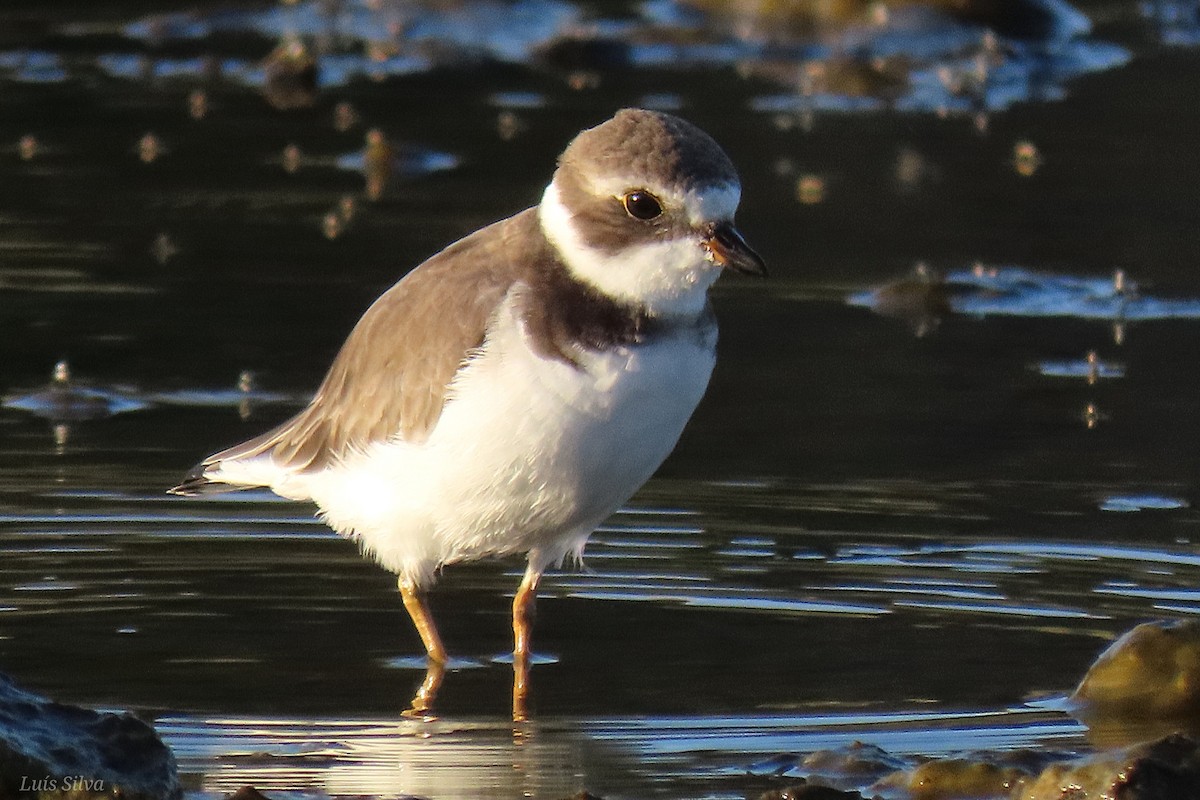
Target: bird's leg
[[523, 614], [435, 670], [418, 609], [422, 702]]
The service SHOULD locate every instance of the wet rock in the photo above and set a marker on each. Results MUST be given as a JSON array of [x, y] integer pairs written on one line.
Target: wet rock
[[959, 778], [856, 764], [876, 773], [920, 300], [1144, 688], [247, 793], [1168, 769], [50, 750], [1148, 681]]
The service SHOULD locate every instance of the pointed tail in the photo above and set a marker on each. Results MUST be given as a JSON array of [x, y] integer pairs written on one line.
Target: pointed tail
[[196, 483]]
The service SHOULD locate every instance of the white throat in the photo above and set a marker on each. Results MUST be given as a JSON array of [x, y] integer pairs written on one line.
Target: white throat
[[670, 278]]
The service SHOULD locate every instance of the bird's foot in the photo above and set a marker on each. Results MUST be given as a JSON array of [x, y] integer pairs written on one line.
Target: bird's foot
[[421, 706]]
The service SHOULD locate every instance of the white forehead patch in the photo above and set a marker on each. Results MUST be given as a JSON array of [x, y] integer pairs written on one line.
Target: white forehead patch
[[715, 203]]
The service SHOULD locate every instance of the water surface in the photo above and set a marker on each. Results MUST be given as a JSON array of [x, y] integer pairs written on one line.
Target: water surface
[[865, 534]]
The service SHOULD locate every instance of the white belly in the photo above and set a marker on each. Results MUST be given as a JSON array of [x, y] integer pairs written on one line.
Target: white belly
[[529, 455]]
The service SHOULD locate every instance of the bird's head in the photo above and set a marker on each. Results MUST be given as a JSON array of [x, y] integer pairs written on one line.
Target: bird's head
[[642, 207]]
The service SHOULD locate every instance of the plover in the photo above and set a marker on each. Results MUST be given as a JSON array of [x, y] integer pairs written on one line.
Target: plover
[[511, 392]]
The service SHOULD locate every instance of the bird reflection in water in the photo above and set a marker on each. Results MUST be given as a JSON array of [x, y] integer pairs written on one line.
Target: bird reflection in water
[[410, 757]]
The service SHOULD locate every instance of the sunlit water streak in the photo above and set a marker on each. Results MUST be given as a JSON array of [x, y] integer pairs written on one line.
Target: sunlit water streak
[[650, 556], [379, 757], [655, 756]]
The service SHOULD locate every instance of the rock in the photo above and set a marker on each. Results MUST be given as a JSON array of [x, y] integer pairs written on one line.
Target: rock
[[1168, 769], [247, 793], [49, 750], [921, 300], [959, 778], [856, 764], [1146, 682], [987, 775]]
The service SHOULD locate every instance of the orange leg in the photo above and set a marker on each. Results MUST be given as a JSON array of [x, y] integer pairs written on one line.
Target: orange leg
[[523, 613], [422, 702], [418, 609]]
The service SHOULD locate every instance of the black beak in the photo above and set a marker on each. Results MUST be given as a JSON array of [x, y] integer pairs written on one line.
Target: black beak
[[729, 250]]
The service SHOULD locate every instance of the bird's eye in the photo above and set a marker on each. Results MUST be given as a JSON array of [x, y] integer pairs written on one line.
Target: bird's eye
[[642, 205]]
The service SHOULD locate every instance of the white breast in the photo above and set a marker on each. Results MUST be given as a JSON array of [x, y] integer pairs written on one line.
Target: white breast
[[530, 454]]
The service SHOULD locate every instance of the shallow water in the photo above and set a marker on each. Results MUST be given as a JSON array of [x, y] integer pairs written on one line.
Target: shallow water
[[865, 534]]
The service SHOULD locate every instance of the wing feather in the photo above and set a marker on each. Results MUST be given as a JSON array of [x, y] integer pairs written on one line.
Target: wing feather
[[391, 377]]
